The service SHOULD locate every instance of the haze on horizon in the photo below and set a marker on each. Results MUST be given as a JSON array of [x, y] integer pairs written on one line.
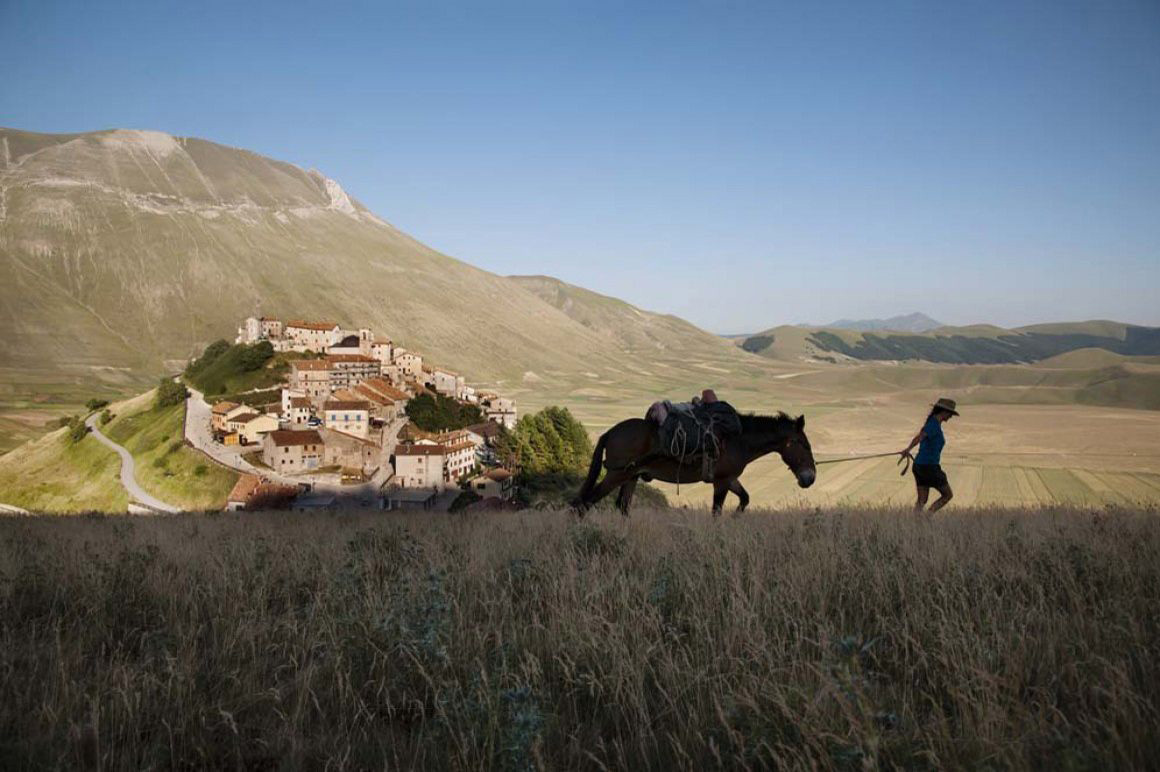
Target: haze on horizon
[[738, 165]]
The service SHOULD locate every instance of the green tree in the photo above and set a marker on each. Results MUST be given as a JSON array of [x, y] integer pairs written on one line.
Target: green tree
[[169, 392], [95, 404], [77, 430]]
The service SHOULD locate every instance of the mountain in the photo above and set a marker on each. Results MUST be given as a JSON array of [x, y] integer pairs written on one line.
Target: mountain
[[916, 322], [630, 328], [976, 344], [126, 251]]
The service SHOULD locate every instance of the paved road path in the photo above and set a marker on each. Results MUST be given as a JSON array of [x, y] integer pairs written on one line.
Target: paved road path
[[128, 470]]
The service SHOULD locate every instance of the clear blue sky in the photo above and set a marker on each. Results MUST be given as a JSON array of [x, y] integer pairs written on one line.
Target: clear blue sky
[[740, 164]]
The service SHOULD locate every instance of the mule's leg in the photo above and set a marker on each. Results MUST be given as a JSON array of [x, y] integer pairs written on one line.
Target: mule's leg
[[611, 481], [720, 491], [735, 486], [624, 498]]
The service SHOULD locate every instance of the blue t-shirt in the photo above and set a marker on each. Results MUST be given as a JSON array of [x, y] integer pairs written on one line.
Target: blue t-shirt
[[930, 449]]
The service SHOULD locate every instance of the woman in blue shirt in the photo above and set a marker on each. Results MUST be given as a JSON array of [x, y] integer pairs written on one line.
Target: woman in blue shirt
[[928, 472]]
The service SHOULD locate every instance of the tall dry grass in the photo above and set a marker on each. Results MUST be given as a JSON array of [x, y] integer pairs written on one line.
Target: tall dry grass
[[982, 639]]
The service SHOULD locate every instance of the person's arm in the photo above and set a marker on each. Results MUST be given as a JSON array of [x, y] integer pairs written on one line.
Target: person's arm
[[917, 439]]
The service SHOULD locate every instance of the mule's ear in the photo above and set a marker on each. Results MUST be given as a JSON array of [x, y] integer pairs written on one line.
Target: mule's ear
[[800, 423]]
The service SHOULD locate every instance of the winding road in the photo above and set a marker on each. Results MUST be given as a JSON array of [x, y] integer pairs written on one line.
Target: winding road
[[128, 470]]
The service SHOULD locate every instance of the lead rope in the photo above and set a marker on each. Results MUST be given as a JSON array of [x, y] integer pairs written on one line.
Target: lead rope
[[902, 457]]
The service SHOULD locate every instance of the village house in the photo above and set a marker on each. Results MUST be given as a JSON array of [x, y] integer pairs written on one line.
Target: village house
[[348, 345], [494, 483], [347, 370], [299, 412], [218, 414], [292, 452], [387, 402], [502, 410], [409, 498], [445, 382], [460, 454], [420, 466], [350, 417], [251, 426], [252, 492], [484, 437], [380, 349], [254, 329], [410, 364], [345, 450], [311, 336], [311, 377]]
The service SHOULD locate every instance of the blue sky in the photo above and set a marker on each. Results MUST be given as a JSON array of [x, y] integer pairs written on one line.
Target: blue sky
[[739, 164]]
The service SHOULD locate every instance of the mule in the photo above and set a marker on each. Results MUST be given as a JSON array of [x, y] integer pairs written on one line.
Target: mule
[[631, 451]]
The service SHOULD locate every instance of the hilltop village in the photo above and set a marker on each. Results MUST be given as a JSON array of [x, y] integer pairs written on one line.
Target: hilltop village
[[342, 421]]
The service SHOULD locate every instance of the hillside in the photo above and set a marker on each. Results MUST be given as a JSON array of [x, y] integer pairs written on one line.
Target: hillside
[[630, 328], [127, 251], [976, 344]]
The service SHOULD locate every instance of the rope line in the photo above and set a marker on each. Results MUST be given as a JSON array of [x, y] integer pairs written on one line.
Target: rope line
[[902, 457]]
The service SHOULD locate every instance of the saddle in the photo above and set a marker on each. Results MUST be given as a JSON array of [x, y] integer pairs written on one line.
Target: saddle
[[691, 432]]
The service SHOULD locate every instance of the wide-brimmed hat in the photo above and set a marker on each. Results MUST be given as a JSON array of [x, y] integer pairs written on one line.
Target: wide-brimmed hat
[[947, 405]]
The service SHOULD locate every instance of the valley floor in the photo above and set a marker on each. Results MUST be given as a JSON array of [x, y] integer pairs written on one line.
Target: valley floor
[[830, 638]]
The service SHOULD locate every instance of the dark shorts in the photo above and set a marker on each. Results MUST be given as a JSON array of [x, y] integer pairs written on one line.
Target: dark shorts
[[930, 475]]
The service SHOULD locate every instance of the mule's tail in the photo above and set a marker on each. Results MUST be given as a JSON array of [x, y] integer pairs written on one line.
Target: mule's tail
[[581, 499]]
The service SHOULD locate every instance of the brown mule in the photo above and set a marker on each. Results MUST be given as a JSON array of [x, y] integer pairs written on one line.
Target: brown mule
[[631, 450]]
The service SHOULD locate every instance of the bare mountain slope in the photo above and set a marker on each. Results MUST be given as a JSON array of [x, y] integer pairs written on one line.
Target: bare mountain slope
[[631, 328], [122, 250]]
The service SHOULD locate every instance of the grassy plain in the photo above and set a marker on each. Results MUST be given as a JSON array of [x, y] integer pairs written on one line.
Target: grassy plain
[[849, 639], [1022, 438]]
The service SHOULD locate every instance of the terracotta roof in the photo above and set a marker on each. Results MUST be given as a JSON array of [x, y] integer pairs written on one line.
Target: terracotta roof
[[267, 318], [304, 325], [287, 437], [420, 450], [385, 388], [459, 446], [225, 407], [346, 405], [310, 364], [340, 358], [244, 418], [344, 395], [499, 475], [368, 393], [487, 429], [244, 488], [300, 402]]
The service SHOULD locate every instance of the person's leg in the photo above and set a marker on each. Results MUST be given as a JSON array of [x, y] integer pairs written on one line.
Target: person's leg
[[946, 495], [923, 495]]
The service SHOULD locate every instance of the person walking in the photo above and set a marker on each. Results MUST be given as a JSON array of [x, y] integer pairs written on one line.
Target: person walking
[[928, 471]]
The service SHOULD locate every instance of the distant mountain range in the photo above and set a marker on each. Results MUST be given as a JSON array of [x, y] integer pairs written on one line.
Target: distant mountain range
[[977, 344], [125, 252], [916, 322]]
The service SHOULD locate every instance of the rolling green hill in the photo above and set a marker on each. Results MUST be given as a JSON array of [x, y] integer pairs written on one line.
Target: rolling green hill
[[977, 344]]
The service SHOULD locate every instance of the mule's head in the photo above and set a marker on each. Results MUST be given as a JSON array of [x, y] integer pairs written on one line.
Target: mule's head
[[795, 452]]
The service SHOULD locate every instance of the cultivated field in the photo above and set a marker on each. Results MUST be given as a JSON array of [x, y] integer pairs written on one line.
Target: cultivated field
[[847, 639], [1015, 444]]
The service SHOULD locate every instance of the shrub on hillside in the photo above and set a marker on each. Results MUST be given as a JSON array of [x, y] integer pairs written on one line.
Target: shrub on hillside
[[221, 364], [106, 416], [95, 404], [169, 393], [77, 430], [437, 413]]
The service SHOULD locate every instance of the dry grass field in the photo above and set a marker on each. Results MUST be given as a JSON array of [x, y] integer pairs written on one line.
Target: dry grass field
[[1015, 445], [833, 639]]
